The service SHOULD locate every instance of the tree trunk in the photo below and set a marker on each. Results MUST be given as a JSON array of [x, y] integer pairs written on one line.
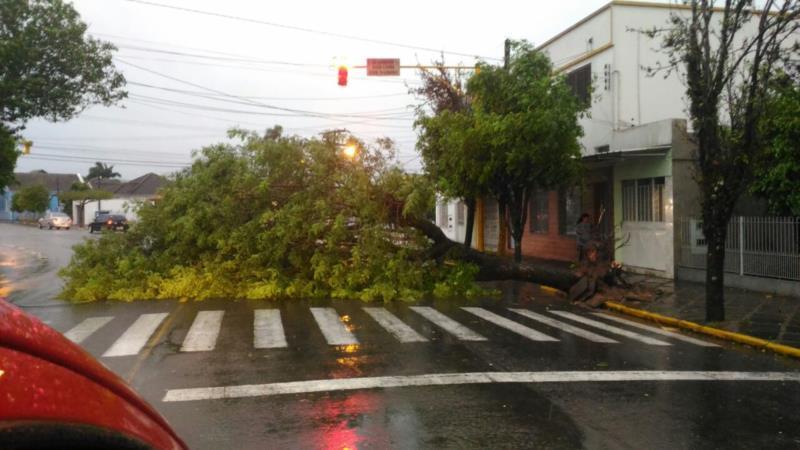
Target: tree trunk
[[518, 215], [517, 249], [470, 203], [502, 230], [493, 267], [715, 272], [81, 219]]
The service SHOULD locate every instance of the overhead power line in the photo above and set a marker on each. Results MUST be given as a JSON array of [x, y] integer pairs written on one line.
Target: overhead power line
[[247, 101], [80, 159], [381, 113], [254, 97], [220, 58], [306, 30]]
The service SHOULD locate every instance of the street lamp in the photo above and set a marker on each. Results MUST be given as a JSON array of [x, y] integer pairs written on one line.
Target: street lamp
[[349, 151]]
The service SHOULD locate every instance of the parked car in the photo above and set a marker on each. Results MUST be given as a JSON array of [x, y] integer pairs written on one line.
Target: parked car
[[56, 220], [112, 222], [57, 396]]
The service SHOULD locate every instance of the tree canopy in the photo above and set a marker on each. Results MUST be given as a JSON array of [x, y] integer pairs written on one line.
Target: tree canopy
[[102, 171], [526, 122], [776, 176], [49, 68], [34, 198], [275, 217], [451, 154], [8, 158]]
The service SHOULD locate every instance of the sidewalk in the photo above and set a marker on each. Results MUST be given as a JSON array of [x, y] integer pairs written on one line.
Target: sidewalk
[[764, 316]]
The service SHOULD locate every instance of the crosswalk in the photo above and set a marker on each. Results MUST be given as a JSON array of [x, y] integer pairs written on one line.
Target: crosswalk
[[545, 328]]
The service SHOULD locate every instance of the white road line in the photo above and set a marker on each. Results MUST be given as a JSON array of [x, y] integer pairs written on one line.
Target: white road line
[[672, 334], [395, 326], [610, 328], [202, 335], [268, 329], [461, 332], [565, 327], [136, 336], [510, 325], [444, 379], [332, 327], [83, 330]]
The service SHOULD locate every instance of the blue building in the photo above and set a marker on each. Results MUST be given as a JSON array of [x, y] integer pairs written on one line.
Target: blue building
[[54, 182]]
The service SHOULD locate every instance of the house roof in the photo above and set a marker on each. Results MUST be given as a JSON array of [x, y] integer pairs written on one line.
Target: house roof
[[145, 186], [54, 182]]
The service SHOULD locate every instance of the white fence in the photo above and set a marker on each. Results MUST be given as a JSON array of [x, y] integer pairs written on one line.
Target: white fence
[[767, 247]]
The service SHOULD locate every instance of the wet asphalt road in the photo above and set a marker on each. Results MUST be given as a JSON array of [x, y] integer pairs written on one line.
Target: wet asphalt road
[[584, 414]]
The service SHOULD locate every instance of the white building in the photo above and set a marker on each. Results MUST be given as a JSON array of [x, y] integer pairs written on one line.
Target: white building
[[635, 147], [127, 197]]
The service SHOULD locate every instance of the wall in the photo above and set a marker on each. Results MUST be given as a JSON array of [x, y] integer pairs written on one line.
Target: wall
[[551, 245], [650, 245], [125, 206], [569, 52]]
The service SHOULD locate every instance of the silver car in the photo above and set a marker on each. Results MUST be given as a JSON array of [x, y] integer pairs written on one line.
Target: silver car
[[55, 220]]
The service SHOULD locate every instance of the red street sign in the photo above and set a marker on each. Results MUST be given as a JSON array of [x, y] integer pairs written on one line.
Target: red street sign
[[383, 67]]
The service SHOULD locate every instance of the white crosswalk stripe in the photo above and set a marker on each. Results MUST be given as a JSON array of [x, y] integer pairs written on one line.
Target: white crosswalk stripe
[[136, 336], [447, 324], [332, 327], [395, 326], [610, 329], [510, 325], [202, 336], [563, 326], [268, 329], [83, 330], [671, 334]]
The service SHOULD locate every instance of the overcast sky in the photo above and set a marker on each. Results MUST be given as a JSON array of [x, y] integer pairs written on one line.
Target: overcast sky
[[187, 63]]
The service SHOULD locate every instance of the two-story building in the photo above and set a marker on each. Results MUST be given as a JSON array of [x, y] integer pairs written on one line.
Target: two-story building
[[636, 148]]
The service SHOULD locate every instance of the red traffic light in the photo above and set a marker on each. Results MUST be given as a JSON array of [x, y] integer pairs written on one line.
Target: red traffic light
[[342, 76]]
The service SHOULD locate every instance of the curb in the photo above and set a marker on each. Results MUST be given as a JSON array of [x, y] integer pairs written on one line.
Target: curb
[[758, 343]]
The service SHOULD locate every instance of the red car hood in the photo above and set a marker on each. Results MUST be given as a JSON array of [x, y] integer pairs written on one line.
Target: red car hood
[[24, 333]]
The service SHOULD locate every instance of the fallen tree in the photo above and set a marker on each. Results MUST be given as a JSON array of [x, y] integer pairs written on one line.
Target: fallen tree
[[288, 217]]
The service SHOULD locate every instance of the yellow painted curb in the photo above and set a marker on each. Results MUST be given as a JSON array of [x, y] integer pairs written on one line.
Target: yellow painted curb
[[716, 332], [551, 290]]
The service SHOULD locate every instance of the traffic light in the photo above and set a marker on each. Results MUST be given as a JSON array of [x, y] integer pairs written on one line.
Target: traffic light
[[26, 147], [342, 75]]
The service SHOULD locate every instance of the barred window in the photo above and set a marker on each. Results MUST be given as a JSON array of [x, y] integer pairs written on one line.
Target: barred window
[[461, 213], [580, 80], [569, 210], [442, 214], [643, 200], [539, 212]]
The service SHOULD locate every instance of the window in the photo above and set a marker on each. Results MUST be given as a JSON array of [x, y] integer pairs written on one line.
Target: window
[[643, 200], [539, 214], [569, 210], [580, 80], [461, 213]]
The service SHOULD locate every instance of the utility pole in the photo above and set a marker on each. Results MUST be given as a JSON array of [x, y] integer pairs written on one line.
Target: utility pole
[[506, 53]]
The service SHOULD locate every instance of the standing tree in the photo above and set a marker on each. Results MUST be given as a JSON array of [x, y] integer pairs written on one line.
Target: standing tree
[[527, 119], [102, 171], [34, 198], [80, 194], [730, 57], [450, 153], [49, 68]]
